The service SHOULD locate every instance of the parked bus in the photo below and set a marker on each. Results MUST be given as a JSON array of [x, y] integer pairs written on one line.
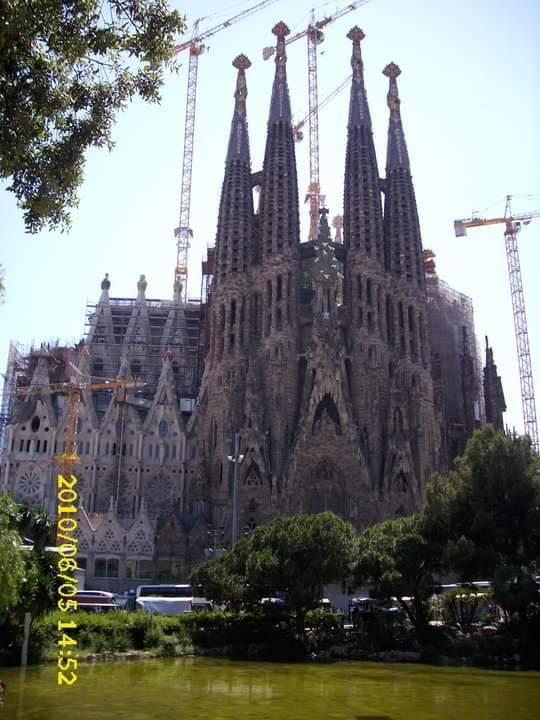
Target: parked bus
[[169, 599]]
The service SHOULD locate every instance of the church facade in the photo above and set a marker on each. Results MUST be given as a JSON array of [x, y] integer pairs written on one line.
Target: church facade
[[304, 381], [319, 352]]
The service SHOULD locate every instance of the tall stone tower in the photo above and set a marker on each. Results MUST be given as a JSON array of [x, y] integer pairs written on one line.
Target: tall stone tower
[[411, 424], [319, 357]]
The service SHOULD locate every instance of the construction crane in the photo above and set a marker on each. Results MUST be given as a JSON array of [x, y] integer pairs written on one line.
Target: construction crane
[[183, 233], [512, 223], [315, 37], [68, 459], [298, 135]]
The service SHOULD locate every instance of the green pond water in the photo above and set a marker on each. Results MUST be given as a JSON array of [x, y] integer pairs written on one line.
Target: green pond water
[[204, 689]]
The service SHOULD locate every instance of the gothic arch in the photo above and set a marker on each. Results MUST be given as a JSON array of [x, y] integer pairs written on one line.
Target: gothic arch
[[327, 407]]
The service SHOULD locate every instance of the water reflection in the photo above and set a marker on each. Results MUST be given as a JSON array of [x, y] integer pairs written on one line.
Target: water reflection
[[205, 689]]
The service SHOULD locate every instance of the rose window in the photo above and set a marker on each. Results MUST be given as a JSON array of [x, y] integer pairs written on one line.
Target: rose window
[[29, 486]]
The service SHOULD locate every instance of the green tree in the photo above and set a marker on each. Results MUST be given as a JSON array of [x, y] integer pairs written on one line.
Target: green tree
[[297, 555], [294, 555], [222, 579], [28, 577], [66, 68], [12, 563], [396, 559], [487, 511], [516, 592]]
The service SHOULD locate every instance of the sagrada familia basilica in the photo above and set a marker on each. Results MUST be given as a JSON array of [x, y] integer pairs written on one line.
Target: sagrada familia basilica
[[335, 373]]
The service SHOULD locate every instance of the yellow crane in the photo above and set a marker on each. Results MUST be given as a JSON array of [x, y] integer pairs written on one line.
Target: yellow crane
[[513, 223], [68, 459]]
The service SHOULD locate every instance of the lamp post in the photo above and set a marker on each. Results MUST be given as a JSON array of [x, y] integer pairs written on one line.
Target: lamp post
[[215, 537], [236, 459]]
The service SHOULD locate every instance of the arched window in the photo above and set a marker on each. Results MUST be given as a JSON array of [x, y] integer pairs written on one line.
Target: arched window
[[163, 429]]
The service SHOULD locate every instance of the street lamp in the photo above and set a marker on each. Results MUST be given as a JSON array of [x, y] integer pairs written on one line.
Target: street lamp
[[236, 459], [215, 537]]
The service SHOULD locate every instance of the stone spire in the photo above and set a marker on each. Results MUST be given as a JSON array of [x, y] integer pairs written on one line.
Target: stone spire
[[279, 196], [397, 155], [493, 392], [280, 105], [403, 242], [239, 140], [362, 216], [235, 222]]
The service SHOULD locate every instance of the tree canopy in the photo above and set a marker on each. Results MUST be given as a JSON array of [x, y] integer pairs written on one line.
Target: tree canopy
[[12, 565], [294, 555], [487, 511], [27, 576], [66, 68], [397, 561]]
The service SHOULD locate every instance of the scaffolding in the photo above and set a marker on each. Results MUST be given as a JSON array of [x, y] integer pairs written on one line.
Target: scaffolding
[[16, 370], [456, 364], [167, 327]]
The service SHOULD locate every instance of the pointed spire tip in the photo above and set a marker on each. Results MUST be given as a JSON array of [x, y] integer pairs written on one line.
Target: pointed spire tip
[[241, 62], [281, 29]]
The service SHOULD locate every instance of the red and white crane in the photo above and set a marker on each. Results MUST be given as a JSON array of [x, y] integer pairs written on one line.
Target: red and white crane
[[512, 223], [314, 36], [183, 233]]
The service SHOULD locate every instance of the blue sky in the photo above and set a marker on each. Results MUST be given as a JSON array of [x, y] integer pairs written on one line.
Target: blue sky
[[471, 111]]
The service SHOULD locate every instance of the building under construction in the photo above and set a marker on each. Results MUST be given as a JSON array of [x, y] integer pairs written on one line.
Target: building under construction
[[342, 370]]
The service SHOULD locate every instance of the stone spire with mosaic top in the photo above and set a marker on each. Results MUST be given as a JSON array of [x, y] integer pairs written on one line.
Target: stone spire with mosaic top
[[362, 216], [280, 224], [235, 221], [403, 243]]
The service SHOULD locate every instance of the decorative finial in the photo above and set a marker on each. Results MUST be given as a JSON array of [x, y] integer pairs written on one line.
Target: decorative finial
[[392, 70], [281, 30], [241, 62], [177, 290], [337, 223], [142, 284], [356, 34], [106, 283]]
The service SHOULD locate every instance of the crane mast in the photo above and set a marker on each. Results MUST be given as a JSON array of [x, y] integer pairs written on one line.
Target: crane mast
[[183, 233], [314, 37], [297, 127], [521, 329], [512, 226]]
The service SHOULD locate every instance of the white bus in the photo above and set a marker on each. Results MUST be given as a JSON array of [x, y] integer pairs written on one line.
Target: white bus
[[169, 599]]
